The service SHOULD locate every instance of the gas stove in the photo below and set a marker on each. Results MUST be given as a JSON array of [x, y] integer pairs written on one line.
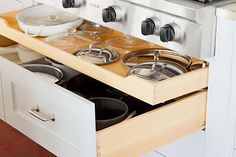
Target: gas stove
[[186, 26]]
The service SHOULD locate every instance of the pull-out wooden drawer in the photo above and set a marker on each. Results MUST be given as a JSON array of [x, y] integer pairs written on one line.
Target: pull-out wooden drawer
[[72, 133], [113, 74]]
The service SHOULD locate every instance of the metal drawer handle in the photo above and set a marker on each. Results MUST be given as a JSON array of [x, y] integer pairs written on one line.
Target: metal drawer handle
[[42, 116]]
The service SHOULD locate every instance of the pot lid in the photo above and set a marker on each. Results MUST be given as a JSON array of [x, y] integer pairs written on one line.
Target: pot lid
[[43, 15], [98, 56], [157, 71], [94, 28], [126, 42], [149, 55]]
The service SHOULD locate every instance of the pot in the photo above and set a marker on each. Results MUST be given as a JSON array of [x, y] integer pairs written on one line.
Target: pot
[[42, 20], [86, 86], [109, 111], [46, 72], [67, 71]]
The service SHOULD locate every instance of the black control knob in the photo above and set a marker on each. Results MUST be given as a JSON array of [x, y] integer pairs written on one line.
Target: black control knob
[[109, 14], [71, 3], [148, 27], [167, 33]]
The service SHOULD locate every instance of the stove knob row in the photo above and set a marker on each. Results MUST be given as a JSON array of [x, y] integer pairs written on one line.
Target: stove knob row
[[72, 3], [169, 32], [112, 14]]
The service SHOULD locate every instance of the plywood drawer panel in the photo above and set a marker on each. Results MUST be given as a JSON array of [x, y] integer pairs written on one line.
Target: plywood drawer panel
[[113, 74]]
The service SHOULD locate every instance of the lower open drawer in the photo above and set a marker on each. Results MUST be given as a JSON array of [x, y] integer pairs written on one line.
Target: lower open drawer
[[73, 131]]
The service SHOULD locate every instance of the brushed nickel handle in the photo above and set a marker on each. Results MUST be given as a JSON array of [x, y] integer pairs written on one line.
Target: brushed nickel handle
[[40, 115]]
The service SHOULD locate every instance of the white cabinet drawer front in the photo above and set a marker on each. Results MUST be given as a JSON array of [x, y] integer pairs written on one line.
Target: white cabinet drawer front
[[73, 131]]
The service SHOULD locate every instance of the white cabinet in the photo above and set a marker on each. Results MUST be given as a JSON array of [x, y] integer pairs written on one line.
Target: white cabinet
[[189, 146], [72, 133], [220, 128], [9, 5]]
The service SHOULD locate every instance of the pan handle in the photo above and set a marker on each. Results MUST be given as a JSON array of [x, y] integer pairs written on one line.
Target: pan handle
[[131, 115]]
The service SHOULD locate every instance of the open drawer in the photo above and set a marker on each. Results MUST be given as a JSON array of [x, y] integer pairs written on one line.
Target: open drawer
[[113, 74], [72, 133]]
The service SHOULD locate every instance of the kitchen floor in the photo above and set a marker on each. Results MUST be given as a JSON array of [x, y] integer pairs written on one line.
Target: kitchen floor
[[15, 144]]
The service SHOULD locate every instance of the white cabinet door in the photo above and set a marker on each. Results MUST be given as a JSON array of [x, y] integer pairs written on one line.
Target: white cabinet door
[[9, 5], [2, 117], [189, 146], [71, 133]]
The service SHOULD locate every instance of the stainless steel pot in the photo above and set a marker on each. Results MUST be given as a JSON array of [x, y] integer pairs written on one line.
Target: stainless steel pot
[[67, 71], [46, 72]]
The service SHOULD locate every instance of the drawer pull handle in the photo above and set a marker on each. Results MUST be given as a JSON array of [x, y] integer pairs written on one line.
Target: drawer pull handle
[[42, 116]]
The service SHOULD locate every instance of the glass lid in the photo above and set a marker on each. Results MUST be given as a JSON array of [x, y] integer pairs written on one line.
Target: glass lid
[[43, 15], [94, 28], [126, 42]]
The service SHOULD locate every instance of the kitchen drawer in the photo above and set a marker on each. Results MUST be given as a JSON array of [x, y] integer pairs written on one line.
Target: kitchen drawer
[[113, 74], [72, 133]]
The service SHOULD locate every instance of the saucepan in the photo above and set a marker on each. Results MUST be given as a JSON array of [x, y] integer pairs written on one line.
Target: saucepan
[[46, 72], [110, 109], [68, 72]]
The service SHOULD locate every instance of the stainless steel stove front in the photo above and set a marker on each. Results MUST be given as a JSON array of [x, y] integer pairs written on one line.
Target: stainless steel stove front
[[182, 25]]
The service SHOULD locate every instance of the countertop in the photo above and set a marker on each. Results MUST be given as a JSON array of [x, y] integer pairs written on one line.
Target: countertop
[[228, 12]]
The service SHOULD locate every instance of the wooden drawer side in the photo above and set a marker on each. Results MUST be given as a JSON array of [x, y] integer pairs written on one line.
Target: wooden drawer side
[[181, 85], [154, 129]]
